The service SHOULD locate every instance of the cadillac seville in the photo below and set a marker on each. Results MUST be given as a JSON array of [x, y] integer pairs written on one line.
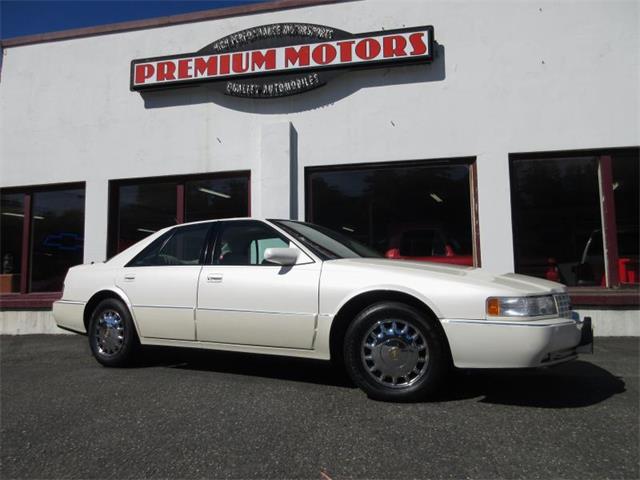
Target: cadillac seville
[[291, 288]]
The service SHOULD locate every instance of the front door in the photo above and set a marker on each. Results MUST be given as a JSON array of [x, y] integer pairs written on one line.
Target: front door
[[243, 299], [162, 283]]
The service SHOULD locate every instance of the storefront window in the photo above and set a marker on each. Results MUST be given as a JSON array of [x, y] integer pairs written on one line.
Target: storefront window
[[626, 171], [224, 197], [142, 207], [557, 205], [556, 219], [42, 236], [419, 211], [57, 238], [11, 224]]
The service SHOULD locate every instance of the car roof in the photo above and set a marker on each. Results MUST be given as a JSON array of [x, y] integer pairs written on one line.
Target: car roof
[[213, 220]]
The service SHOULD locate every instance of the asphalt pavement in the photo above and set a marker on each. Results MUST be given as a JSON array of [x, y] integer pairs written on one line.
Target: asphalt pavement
[[200, 414]]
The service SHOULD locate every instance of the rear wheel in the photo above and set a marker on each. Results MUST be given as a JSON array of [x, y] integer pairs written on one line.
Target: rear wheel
[[112, 335], [395, 353]]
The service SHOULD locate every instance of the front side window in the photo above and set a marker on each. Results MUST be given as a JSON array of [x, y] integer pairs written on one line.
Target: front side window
[[181, 246], [244, 243], [418, 211]]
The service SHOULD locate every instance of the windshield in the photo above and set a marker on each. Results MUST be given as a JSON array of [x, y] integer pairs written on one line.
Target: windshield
[[324, 242]]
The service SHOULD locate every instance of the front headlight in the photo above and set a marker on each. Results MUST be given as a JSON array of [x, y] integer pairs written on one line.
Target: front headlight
[[521, 306]]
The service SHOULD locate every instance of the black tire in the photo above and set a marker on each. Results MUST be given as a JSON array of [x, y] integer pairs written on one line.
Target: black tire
[[111, 350], [433, 365]]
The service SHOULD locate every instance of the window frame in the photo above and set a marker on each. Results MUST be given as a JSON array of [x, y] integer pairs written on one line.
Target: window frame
[[25, 298], [469, 161], [113, 229], [613, 293]]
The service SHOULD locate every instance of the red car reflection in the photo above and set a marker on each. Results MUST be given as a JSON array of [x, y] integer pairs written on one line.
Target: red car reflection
[[426, 244], [589, 269]]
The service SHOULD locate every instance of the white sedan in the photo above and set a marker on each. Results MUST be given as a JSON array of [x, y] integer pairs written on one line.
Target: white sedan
[[290, 288]]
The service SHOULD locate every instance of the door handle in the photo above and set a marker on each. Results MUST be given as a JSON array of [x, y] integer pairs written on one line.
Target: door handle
[[214, 277], [130, 276]]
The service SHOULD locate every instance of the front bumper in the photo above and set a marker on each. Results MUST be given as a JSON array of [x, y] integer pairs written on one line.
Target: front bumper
[[586, 338], [502, 344]]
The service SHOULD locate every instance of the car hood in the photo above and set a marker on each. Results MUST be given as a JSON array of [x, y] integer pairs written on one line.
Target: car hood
[[507, 284]]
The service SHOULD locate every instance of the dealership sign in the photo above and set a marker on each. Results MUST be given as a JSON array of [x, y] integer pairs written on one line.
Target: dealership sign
[[282, 59]]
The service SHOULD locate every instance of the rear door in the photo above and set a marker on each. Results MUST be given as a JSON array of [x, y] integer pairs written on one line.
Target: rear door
[[162, 283], [243, 299]]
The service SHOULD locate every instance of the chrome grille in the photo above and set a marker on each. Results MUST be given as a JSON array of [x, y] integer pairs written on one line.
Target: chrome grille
[[563, 303]]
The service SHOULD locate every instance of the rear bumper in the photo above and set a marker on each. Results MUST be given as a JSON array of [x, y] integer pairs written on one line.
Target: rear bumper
[[69, 315], [488, 344]]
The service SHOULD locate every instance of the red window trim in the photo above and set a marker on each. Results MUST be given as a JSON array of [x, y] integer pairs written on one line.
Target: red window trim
[[601, 297], [19, 301], [609, 224], [26, 236]]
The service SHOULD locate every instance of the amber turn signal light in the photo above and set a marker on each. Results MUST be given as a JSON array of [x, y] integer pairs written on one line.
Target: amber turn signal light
[[493, 306]]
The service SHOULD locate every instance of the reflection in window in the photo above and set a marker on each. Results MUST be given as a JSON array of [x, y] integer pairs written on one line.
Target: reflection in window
[[556, 219], [144, 209], [224, 197], [57, 239], [11, 223], [244, 243], [626, 173], [419, 212]]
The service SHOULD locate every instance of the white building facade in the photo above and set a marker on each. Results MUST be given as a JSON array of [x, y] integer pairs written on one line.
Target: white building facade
[[514, 148]]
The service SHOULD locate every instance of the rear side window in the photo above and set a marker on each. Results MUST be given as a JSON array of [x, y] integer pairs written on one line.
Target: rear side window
[[181, 246]]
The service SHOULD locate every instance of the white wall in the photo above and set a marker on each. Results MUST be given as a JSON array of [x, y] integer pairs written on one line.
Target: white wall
[[510, 77]]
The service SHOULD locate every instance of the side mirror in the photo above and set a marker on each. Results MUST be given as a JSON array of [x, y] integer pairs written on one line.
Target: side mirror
[[281, 256]]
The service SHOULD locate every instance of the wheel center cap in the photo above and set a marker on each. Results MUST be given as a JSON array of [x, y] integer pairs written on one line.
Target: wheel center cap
[[396, 356], [394, 353]]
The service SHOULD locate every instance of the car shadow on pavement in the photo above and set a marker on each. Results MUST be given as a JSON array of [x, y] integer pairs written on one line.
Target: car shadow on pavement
[[249, 364], [572, 385]]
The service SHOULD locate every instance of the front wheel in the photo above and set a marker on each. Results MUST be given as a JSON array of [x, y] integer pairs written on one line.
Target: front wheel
[[112, 335], [395, 353]]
